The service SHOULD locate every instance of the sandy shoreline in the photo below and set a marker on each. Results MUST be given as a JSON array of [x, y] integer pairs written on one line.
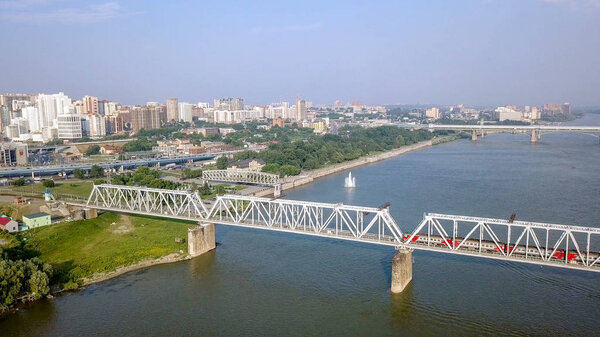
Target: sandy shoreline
[[101, 277]]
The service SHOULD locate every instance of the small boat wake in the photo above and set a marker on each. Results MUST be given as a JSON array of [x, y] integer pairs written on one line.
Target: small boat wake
[[349, 181]]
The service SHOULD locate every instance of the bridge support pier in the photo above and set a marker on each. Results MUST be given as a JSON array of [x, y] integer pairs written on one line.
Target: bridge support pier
[[535, 136], [474, 135], [201, 239], [90, 213], [401, 270], [277, 190]]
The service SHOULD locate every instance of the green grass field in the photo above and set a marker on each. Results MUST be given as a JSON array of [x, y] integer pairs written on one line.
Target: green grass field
[[81, 248], [80, 188]]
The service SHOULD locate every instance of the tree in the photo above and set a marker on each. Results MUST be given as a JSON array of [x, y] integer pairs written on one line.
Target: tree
[[79, 173], [191, 174], [96, 172], [19, 182], [220, 189], [205, 189], [49, 183], [92, 150], [271, 168], [222, 163], [289, 170]]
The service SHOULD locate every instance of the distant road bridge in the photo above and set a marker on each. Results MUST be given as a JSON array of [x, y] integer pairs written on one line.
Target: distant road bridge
[[246, 177], [573, 247], [535, 130]]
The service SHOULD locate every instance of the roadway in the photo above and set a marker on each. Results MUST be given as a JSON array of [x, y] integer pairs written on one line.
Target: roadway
[[129, 164]]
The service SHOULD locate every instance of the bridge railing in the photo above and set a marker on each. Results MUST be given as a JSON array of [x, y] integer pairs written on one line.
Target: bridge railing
[[542, 243]]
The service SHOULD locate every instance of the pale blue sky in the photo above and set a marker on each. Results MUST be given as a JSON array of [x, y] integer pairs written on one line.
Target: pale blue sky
[[380, 52]]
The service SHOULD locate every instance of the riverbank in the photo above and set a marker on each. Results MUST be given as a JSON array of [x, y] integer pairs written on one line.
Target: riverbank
[[101, 277], [90, 251], [309, 176]]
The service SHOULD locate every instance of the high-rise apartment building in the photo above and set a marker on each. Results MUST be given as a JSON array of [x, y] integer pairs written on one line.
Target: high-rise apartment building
[[34, 118], [97, 125], [146, 118], [172, 109], [552, 109], [433, 113], [185, 112], [232, 104], [300, 109], [50, 106], [90, 105]]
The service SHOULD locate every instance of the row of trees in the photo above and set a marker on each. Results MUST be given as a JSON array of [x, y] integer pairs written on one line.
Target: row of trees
[[290, 157], [188, 173], [22, 277], [144, 176], [95, 172]]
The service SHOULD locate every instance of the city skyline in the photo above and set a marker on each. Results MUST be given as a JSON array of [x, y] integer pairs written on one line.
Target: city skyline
[[477, 52]]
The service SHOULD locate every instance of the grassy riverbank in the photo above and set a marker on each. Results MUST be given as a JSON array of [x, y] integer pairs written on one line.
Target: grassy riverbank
[[77, 188], [91, 250]]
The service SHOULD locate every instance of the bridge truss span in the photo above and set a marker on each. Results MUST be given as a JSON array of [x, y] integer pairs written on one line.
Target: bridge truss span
[[151, 201], [242, 176], [564, 246], [356, 223], [532, 242]]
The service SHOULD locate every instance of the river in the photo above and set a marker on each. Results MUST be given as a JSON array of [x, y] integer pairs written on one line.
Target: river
[[267, 283]]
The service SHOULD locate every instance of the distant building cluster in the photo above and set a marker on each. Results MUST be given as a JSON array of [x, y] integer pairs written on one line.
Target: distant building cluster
[[502, 113], [45, 117]]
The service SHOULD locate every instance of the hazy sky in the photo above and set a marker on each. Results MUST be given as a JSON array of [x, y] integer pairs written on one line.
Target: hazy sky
[[380, 52]]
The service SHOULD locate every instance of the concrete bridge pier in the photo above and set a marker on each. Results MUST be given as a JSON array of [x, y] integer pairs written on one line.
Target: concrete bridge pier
[[277, 190], [201, 239], [401, 270], [474, 135], [535, 136]]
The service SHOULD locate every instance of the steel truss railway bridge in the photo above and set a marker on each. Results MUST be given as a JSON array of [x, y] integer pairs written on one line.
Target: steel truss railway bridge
[[246, 177], [535, 130], [573, 247]]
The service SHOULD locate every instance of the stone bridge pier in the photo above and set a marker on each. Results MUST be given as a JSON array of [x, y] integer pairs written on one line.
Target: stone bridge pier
[[201, 239], [401, 270]]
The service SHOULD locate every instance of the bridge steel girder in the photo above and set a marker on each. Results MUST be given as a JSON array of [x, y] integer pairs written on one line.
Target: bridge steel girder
[[555, 245], [574, 247], [242, 176], [355, 223]]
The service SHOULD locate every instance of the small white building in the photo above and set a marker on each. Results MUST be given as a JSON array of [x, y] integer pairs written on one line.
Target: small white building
[[9, 225]]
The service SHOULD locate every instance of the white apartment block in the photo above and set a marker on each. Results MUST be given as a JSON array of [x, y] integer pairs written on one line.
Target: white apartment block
[[69, 127], [185, 112], [50, 106]]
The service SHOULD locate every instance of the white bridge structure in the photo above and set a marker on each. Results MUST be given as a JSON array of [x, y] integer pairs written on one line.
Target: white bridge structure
[[535, 130], [555, 245], [246, 177]]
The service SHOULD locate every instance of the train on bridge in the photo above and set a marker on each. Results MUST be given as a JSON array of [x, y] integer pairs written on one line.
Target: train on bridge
[[490, 247]]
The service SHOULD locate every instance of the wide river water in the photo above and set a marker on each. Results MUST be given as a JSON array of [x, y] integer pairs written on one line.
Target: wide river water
[[267, 283]]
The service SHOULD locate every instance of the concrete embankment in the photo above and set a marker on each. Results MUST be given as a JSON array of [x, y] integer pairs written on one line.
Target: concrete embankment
[[308, 177]]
